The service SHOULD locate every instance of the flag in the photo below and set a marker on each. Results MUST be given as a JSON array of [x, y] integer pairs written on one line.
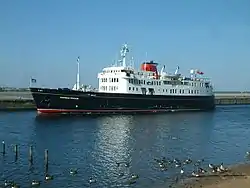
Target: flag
[[199, 72], [33, 80], [78, 58]]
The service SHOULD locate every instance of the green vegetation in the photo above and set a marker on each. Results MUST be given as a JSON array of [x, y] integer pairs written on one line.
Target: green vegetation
[[5, 89], [17, 105]]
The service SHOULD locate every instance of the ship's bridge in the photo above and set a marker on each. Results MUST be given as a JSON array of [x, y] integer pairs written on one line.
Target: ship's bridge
[[111, 79], [116, 69]]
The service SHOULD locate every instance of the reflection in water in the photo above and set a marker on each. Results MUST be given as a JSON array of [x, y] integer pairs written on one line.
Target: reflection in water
[[134, 139], [94, 145], [112, 144]]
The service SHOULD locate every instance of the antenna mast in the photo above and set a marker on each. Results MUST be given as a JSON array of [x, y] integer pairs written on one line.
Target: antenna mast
[[132, 62], [123, 53]]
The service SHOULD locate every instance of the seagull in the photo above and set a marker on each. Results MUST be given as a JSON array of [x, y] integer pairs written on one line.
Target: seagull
[[6, 183], [73, 171], [188, 161], [248, 154], [182, 171], [222, 167], [176, 160], [177, 165], [48, 177], [35, 182], [91, 180], [201, 170], [211, 166], [134, 176], [161, 165], [195, 174], [218, 169]]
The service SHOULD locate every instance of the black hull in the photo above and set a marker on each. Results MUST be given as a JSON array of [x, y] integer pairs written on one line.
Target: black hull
[[60, 101]]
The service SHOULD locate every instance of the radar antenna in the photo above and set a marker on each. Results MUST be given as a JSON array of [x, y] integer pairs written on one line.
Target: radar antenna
[[123, 53]]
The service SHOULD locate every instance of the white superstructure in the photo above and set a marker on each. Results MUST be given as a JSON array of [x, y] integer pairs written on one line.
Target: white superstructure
[[148, 81]]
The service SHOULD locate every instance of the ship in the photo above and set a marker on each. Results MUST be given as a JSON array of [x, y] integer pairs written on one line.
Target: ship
[[123, 89]]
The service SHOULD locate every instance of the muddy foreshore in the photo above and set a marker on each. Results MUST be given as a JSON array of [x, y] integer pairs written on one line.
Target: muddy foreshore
[[236, 176]]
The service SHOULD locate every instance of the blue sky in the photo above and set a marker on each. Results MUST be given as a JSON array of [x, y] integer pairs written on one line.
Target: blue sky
[[43, 38]]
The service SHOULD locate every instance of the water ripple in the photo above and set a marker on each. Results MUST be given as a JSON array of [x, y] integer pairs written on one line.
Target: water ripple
[[95, 144]]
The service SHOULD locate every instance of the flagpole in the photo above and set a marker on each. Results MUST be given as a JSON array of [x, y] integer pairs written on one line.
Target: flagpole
[[78, 74], [30, 82]]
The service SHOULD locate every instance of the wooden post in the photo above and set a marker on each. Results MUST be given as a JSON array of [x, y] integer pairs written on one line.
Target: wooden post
[[16, 151], [3, 143], [46, 160], [31, 155]]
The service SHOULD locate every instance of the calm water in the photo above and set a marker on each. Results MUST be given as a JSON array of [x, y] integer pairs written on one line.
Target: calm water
[[94, 144]]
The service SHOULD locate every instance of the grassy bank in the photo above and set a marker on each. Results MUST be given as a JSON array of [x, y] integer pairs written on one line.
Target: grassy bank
[[16, 105], [231, 100]]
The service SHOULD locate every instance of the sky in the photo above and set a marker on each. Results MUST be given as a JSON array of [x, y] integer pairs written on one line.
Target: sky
[[42, 39]]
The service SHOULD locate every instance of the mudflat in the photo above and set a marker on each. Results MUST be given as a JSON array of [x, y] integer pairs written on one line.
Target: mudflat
[[237, 176]]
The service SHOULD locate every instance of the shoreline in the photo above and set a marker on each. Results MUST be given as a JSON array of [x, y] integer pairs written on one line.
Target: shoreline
[[17, 109], [29, 105], [17, 105], [23, 100], [237, 175]]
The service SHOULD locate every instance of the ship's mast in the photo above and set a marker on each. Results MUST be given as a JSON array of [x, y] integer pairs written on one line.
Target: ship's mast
[[123, 53], [78, 74], [132, 62]]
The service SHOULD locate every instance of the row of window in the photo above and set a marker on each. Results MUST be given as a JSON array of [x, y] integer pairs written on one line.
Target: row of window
[[114, 71], [110, 80], [110, 88], [171, 91], [133, 89], [173, 82], [180, 91], [111, 71]]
